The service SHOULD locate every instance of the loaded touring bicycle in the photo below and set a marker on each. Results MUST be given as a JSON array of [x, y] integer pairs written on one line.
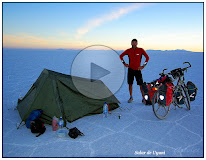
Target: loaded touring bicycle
[[162, 93]]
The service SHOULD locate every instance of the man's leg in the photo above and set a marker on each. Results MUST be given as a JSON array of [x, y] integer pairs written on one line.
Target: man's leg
[[141, 91], [130, 79], [139, 79], [130, 90]]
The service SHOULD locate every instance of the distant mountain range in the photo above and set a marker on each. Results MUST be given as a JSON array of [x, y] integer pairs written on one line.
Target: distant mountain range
[[170, 51], [166, 51], [149, 50], [118, 51]]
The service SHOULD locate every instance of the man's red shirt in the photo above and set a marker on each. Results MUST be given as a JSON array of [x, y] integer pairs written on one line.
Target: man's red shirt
[[135, 56]]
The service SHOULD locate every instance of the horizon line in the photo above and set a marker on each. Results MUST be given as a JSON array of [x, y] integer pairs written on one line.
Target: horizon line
[[95, 49]]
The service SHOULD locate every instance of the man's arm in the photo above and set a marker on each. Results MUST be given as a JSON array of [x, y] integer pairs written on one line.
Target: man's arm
[[121, 57], [146, 61]]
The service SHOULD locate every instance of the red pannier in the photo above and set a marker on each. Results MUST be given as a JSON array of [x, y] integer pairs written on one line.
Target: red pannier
[[166, 94], [148, 92]]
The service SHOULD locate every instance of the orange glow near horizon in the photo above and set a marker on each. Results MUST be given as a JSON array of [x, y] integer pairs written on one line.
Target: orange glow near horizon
[[26, 41]]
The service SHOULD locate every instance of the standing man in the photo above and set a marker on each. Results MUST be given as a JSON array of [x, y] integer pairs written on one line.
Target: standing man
[[134, 68]]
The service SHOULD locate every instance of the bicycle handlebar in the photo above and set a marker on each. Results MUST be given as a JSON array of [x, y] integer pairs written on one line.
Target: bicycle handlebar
[[186, 67], [162, 74], [183, 69]]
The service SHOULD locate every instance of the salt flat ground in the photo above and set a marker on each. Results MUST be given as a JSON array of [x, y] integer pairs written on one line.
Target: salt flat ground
[[138, 133]]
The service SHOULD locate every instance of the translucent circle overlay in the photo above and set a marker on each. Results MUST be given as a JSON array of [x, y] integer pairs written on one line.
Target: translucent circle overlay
[[97, 72]]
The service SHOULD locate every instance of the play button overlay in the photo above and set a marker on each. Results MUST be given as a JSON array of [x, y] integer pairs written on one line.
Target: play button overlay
[[97, 72]]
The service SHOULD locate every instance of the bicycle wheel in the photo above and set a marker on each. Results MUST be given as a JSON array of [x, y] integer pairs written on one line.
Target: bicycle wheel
[[161, 111], [185, 96]]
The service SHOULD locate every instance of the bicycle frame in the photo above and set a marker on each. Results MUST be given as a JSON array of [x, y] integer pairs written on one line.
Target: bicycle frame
[[180, 84], [176, 75]]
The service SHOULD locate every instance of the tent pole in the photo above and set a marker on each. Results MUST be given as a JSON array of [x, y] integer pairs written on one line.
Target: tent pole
[[20, 125], [47, 115], [47, 120]]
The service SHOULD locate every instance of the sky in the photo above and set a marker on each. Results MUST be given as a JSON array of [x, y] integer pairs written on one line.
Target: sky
[[157, 26]]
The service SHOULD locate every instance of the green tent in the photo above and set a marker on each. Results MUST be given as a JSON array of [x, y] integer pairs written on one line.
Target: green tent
[[56, 95]]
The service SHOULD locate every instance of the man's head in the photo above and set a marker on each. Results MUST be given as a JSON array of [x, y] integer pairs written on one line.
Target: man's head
[[134, 43]]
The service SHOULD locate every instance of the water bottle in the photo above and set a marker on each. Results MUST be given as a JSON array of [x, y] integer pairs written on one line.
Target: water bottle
[[105, 110], [61, 132], [61, 123]]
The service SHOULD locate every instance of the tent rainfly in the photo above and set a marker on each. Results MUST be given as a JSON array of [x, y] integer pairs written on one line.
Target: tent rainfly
[[56, 95]]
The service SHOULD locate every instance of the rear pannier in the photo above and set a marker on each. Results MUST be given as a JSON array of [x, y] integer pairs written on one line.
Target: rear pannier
[[166, 94], [192, 90]]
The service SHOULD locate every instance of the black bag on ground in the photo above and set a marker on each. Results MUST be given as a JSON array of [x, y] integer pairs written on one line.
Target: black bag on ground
[[37, 126], [74, 133], [192, 90]]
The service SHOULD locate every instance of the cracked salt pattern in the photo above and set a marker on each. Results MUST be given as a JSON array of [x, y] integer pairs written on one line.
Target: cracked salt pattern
[[179, 135]]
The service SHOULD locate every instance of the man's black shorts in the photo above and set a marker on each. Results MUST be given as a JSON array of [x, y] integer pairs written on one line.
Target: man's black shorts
[[134, 73]]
